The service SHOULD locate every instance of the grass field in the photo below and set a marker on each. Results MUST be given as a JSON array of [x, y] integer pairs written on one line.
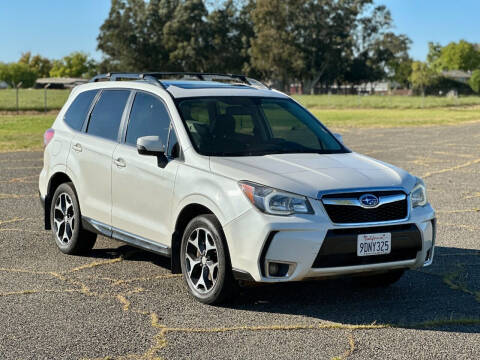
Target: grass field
[[21, 132], [383, 102], [347, 118], [24, 131], [32, 99]]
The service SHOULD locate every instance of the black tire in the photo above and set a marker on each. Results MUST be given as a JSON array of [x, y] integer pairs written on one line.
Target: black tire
[[217, 286], [69, 236], [382, 280]]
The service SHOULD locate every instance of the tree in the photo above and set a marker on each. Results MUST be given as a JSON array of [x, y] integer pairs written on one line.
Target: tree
[[132, 37], [455, 56], [229, 32], [274, 50], [77, 64], [422, 76], [186, 36], [39, 64], [312, 41], [474, 81], [14, 73], [401, 71], [434, 53], [324, 41]]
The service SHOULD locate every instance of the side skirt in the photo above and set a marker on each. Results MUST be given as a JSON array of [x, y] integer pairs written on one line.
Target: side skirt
[[124, 236]]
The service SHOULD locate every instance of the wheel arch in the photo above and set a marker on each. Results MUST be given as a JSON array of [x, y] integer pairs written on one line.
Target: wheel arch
[[186, 214], [55, 181]]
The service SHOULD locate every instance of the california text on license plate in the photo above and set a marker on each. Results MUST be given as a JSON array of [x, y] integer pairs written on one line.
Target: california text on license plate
[[374, 244]]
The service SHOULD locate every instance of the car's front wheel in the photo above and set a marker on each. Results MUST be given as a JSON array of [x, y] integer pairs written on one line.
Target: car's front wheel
[[205, 260], [65, 219]]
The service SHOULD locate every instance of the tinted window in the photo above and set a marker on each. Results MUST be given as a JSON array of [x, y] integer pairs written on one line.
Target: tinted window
[[253, 126], [78, 110], [148, 117], [107, 114]]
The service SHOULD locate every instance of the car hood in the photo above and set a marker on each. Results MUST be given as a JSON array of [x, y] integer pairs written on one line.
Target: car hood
[[308, 174]]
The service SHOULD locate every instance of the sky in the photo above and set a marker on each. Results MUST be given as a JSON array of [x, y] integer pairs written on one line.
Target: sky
[[440, 21], [55, 28]]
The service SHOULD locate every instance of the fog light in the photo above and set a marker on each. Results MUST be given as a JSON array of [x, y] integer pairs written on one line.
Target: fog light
[[273, 269], [278, 269]]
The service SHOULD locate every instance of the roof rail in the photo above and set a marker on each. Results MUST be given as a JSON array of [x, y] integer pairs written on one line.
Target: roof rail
[[126, 76], [156, 77]]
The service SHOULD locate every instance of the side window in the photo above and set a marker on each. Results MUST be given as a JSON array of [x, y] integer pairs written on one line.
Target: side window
[[78, 110], [148, 117], [107, 114]]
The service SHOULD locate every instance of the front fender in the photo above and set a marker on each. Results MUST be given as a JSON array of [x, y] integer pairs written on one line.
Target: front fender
[[199, 199]]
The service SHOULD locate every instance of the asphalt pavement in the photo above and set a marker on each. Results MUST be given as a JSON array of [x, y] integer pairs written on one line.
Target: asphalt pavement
[[118, 302]]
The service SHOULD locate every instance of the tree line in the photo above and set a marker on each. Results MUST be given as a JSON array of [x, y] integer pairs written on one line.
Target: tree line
[[462, 55], [30, 67], [315, 43], [308, 41]]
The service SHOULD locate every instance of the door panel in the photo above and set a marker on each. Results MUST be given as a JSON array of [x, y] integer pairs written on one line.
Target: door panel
[[141, 190], [142, 194], [90, 159]]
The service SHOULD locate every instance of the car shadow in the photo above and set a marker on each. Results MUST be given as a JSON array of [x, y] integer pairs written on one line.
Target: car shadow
[[129, 253], [444, 296]]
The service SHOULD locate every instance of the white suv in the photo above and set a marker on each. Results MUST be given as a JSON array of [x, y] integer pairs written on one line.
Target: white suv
[[231, 180]]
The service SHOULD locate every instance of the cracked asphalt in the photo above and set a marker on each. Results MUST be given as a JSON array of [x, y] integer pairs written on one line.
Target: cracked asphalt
[[118, 302]]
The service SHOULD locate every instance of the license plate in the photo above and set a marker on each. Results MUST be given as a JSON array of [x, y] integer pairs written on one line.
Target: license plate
[[374, 244]]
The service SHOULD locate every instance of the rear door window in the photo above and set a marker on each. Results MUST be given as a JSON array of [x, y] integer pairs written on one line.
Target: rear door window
[[78, 110], [107, 114], [149, 117]]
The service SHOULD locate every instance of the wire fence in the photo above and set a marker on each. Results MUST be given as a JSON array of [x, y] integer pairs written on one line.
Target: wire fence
[[42, 100]]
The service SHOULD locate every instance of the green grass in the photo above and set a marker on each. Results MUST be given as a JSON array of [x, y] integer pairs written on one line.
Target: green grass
[[22, 132], [383, 102], [348, 118], [32, 99]]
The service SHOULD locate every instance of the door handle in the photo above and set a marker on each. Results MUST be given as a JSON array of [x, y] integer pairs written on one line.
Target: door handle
[[77, 147], [120, 162]]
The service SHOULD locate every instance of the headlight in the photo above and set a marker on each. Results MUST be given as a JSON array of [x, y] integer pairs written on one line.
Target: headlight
[[273, 201], [419, 194]]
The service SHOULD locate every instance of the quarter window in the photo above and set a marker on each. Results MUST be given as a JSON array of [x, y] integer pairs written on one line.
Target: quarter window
[[148, 117], [78, 110], [107, 114]]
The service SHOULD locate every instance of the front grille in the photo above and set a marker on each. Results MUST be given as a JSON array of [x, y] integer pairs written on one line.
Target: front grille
[[340, 246], [345, 214]]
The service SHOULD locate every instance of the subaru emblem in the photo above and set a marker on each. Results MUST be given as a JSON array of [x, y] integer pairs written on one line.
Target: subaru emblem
[[368, 200]]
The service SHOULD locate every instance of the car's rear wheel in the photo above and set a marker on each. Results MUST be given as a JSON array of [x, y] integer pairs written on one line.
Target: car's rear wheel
[[381, 280], [205, 261], [65, 219]]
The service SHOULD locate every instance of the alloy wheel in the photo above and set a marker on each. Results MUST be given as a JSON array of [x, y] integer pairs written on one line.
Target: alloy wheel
[[64, 218], [201, 261]]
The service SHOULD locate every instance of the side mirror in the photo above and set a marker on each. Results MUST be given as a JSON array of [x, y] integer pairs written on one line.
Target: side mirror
[[339, 137], [150, 145], [153, 146]]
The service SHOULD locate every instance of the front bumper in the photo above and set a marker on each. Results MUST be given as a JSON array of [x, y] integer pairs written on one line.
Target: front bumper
[[256, 239]]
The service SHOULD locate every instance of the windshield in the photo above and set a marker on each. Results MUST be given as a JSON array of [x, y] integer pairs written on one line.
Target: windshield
[[254, 126]]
